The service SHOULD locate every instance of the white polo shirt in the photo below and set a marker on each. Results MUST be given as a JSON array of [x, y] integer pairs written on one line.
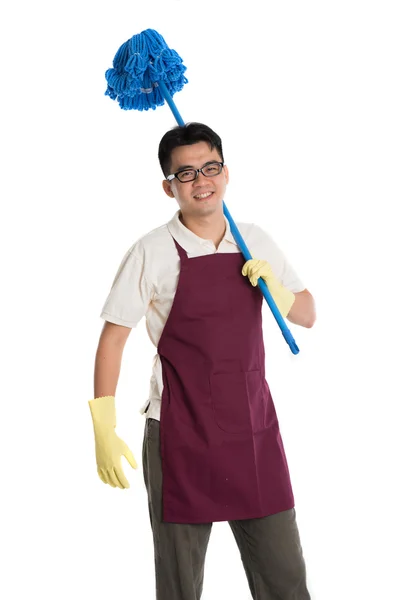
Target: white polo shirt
[[146, 281]]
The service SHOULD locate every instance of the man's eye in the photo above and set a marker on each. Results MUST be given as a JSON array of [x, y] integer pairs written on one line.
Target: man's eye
[[211, 169]]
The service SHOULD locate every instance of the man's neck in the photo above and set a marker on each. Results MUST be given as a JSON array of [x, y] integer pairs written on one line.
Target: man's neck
[[208, 229]]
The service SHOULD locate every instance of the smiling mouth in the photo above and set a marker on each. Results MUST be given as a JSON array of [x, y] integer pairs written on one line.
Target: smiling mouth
[[203, 196]]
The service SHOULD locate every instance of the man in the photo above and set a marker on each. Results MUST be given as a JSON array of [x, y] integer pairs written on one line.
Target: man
[[212, 449]]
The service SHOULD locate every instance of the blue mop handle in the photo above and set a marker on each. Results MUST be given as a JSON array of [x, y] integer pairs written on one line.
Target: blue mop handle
[[239, 240], [262, 285]]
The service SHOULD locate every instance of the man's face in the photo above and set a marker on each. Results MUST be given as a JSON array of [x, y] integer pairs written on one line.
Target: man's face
[[204, 195]]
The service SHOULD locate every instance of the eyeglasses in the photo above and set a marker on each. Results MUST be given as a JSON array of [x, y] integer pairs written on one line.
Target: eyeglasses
[[209, 170]]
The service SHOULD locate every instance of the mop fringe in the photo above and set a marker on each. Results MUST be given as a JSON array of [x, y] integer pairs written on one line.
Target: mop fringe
[[138, 65]]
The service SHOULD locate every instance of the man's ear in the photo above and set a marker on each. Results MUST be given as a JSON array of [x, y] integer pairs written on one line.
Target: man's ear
[[226, 174], [167, 188]]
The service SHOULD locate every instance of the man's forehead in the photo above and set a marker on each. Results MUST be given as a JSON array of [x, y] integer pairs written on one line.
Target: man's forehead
[[190, 156]]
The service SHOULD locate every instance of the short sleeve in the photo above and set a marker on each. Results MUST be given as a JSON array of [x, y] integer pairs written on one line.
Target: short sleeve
[[130, 293], [263, 246]]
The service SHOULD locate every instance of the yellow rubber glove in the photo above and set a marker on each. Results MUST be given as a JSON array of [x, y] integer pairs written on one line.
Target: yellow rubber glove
[[109, 447], [283, 297]]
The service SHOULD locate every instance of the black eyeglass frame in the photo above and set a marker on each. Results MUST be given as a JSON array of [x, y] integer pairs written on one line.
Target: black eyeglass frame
[[197, 171]]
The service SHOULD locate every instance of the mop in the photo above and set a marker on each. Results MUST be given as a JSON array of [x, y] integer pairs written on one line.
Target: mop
[[145, 74]]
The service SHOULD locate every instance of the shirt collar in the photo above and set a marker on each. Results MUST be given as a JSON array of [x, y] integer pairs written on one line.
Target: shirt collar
[[189, 240]]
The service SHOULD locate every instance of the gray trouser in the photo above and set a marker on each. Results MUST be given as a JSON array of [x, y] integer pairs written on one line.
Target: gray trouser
[[270, 547]]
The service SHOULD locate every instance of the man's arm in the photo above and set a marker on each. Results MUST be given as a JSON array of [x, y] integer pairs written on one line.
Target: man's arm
[[108, 358], [302, 311], [109, 447]]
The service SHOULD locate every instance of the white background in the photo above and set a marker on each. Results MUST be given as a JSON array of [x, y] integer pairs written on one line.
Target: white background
[[305, 96]]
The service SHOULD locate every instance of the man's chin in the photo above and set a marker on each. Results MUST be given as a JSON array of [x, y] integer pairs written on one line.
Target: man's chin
[[203, 209], [208, 204]]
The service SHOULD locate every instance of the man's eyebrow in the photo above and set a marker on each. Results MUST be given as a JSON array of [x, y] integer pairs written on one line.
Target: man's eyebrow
[[183, 167]]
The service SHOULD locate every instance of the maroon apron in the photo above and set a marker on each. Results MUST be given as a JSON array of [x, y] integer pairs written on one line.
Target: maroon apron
[[222, 454]]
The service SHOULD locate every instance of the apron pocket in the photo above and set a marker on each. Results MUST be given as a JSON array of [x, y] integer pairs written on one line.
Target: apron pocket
[[234, 397]]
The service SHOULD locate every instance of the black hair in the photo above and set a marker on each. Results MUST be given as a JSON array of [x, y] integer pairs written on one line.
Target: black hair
[[186, 135]]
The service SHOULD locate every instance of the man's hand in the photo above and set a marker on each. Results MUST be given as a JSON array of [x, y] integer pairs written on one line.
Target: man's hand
[[109, 447], [284, 298]]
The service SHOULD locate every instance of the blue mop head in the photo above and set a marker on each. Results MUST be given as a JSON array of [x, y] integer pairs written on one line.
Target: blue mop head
[[138, 65]]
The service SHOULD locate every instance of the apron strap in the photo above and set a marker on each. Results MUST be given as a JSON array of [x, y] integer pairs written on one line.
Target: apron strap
[[182, 253]]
